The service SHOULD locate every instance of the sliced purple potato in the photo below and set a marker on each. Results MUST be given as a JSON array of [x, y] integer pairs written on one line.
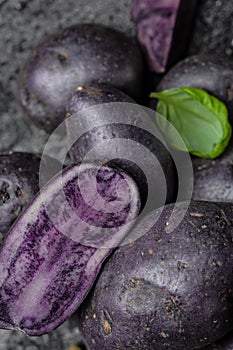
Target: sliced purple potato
[[163, 29], [19, 183], [80, 54], [54, 251]]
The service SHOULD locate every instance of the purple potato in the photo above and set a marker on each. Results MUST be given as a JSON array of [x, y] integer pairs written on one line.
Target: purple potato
[[208, 72], [54, 251], [167, 289], [163, 29], [226, 343], [80, 54], [89, 95], [99, 136], [19, 182], [213, 179]]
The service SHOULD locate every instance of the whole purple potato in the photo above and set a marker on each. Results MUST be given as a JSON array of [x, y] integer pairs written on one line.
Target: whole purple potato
[[169, 289], [87, 95], [208, 72], [19, 182], [100, 137], [213, 179], [77, 55]]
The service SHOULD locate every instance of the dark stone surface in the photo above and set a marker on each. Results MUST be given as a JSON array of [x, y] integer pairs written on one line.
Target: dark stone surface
[[23, 24]]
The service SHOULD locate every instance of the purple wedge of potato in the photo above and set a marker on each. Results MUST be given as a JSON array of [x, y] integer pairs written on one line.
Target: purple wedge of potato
[[54, 251], [19, 183], [172, 288], [163, 29]]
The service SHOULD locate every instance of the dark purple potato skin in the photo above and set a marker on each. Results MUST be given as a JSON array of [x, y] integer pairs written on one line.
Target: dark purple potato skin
[[163, 29], [19, 182], [79, 54], [90, 95], [100, 134], [226, 343], [213, 179], [208, 72], [53, 253], [166, 290]]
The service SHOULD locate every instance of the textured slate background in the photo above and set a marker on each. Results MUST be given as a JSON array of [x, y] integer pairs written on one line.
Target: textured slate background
[[22, 25]]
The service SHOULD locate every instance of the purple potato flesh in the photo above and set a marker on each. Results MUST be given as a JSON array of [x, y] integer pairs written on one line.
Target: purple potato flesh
[[163, 29], [80, 54], [52, 254], [167, 289], [19, 183]]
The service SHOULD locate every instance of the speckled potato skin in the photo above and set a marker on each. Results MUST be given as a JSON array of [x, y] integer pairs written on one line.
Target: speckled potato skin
[[87, 95], [170, 291], [226, 343], [213, 178], [212, 73], [93, 94], [77, 55], [19, 182]]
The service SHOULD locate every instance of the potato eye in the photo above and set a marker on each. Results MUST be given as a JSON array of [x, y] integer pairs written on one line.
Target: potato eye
[[62, 58]]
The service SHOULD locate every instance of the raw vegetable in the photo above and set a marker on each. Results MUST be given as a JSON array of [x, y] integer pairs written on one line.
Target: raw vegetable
[[115, 131], [88, 95], [53, 253], [226, 343], [212, 73], [213, 178], [168, 289], [77, 55], [19, 182], [200, 119], [163, 29]]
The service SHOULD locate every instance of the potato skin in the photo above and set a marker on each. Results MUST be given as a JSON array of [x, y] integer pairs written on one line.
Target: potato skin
[[87, 95], [213, 178], [208, 72], [226, 343], [19, 182], [77, 55], [166, 290], [93, 94]]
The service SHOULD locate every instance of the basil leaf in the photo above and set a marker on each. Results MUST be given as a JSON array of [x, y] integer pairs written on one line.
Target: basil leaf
[[200, 118]]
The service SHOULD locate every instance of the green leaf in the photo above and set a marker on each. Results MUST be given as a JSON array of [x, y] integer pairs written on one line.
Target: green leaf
[[200, 119]]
